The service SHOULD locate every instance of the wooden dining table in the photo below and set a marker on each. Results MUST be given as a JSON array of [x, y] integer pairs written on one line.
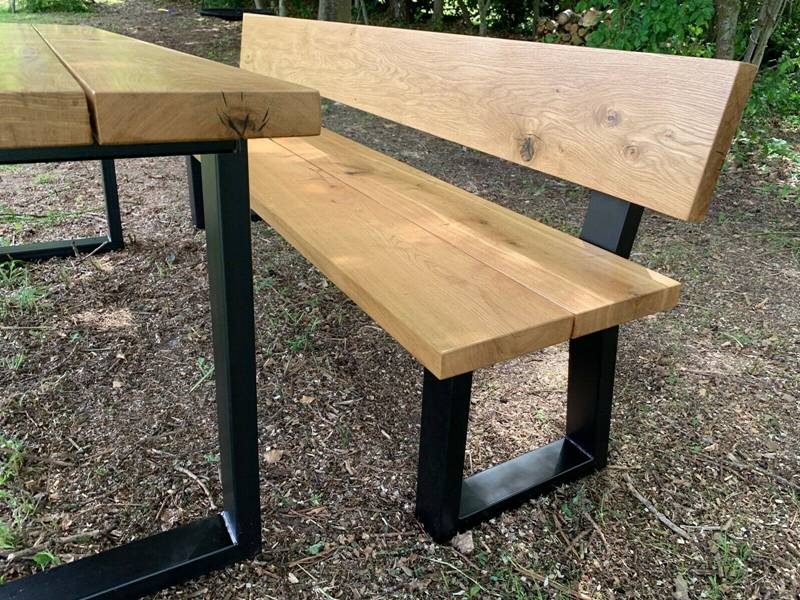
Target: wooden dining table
[[74, 93]]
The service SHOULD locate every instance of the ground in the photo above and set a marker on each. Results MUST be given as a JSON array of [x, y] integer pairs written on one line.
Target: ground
[[107, 413]]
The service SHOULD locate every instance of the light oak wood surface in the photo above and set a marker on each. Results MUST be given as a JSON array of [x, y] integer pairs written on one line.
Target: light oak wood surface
[[143, 93], [40, 102], [651, 129], [599, 288], [460, 282], [450, 311]]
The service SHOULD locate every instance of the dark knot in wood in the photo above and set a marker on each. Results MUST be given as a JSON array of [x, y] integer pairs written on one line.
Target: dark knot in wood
[[239, 118], [526, 149]]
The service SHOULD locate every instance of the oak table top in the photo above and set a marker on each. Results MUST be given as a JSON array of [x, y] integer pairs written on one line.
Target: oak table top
[[64, 85]]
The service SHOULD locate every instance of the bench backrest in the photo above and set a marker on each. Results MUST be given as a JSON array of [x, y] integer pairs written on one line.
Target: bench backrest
[[648, 128]]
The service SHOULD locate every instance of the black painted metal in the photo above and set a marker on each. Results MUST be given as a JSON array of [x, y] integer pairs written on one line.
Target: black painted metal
[[611, 223], [94, 245], [98, 152], [230, 272], [113, 219], [443, 438], [106, 156], [193, 170], [447, 503], [168, 558], [195, 178], [136, 568]]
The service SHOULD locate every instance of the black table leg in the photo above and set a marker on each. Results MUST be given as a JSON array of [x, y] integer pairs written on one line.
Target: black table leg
[[168, 558], [62, 248]]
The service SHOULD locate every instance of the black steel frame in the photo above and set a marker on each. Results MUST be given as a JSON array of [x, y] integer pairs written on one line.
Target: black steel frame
[[446, 501], [193, 171], [111, 241], [168, 558]]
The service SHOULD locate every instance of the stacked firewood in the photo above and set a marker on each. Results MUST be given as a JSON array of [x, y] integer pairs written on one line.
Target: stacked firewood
[[570, 27]]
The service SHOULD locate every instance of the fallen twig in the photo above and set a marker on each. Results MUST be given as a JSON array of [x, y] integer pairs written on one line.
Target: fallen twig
[[658, 514], [199, 482], [88, 535], [599, 531]]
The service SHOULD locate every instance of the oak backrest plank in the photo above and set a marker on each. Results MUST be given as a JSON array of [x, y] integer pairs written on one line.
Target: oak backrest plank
[[41, 104], [143, 93], [651, 129]]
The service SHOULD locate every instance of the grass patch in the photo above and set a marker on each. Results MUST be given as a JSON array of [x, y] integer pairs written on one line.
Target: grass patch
[[17, 293]]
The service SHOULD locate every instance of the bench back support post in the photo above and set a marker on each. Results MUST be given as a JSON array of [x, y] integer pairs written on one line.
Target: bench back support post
[[611, 224]]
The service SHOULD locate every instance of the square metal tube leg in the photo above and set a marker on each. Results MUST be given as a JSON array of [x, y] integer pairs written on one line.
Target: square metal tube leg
[[195, 178], [590, 390], [443, 441], [226, 201], [165, 559]]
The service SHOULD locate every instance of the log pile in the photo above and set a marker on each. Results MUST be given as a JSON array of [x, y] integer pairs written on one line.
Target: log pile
[[570, 27]]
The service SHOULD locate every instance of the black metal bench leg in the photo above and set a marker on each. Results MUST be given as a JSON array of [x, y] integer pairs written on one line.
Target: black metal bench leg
[[446, 503], [590, 390], [443, 440], [113, 218], [95, 245], [168, 558]]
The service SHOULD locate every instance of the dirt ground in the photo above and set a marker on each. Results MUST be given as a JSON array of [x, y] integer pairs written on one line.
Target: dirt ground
[[107, 414]]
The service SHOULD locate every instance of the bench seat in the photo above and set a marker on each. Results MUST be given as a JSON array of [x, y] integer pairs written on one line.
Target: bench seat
[[460, 282]]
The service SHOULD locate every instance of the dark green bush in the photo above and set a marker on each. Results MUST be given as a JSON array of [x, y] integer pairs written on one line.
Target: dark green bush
[[39, 6]]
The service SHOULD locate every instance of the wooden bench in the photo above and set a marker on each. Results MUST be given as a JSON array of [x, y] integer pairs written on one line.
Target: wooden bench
[[463, 283]]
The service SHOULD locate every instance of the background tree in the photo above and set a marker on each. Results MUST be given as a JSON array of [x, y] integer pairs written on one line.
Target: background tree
[[335, 10]]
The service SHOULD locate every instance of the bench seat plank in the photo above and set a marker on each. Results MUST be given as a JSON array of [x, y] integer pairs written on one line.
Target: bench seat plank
[[40, 102], [143, 93], [599, 288], [452, 312], [441, 270]]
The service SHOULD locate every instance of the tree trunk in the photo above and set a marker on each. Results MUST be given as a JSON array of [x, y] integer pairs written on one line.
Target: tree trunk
[[465, 12], [438, 14], [768, 18], [727, 19], [363, 5], [335, 10], [281, 8], [483, 7]]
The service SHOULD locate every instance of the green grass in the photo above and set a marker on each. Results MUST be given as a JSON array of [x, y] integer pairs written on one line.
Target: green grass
[[17, 293]]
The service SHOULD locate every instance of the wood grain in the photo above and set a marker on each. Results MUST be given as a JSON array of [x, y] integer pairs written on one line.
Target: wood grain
[[450, 311], [599, 288], [143, 93], [651, 129], [40, 102]]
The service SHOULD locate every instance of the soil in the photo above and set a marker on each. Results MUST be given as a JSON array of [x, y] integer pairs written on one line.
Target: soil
[[107, 419]]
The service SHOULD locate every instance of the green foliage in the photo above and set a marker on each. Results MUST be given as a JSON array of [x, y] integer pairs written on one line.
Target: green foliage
[[670, 26], [776, 91], [46, 559], [39, 6]]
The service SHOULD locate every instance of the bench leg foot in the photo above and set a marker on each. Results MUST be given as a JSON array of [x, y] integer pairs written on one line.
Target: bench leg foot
[[147, 565], [447, 502], [65, 248]]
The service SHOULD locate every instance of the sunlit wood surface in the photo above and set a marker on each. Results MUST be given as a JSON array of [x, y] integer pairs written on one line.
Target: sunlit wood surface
[[647, 128], [460, 282]]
